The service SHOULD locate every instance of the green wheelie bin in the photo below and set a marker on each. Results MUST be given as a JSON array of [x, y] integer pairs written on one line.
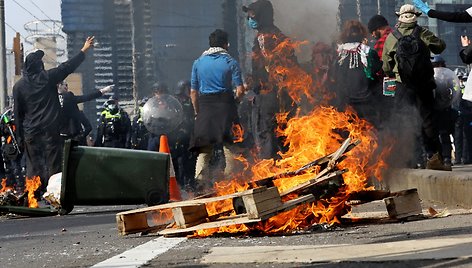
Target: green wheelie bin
[[111, 176]]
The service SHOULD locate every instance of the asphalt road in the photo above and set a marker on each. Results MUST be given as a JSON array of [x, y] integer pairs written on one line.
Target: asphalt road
[[88, 236], [431, 242]]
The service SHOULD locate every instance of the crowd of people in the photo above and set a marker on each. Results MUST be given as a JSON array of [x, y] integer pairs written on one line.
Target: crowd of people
[[400, 84]]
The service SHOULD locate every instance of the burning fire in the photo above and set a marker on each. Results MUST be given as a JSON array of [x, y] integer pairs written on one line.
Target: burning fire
[[307, 137], [238, 133], [161, 217], [4, 186], [31, 186], [286, 74]]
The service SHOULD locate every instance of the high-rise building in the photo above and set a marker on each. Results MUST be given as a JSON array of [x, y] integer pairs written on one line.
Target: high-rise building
[[82, 18], [111, 61], [171, 34], [180, 30]]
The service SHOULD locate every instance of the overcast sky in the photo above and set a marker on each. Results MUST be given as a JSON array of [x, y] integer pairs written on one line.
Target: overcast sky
[[16, 16]]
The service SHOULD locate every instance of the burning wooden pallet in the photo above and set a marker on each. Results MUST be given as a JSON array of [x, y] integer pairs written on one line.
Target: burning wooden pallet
[[250, 206]]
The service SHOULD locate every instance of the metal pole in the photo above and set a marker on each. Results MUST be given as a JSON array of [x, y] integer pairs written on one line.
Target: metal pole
[[359, 14], [138, 49], [3, 63]]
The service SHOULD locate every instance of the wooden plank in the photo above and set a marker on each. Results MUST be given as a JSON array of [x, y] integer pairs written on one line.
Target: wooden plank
[[297, 201], [241, 219], [334, 159], [137, 223], [258, 203], [404, 192], [190, 215], [403, 206], [318, 162], [268, 181], [193, 202], [366, 196], [327, 173], [341, 150], [126, 224], [313, 182], [209, 225], [288, 205]]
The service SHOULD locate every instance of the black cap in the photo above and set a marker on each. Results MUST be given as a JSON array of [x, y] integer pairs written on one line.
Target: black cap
[[263, 12], [376, 22], [33, 62]]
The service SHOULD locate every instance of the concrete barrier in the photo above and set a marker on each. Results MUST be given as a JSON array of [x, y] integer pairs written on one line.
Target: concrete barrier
[[453, 188]]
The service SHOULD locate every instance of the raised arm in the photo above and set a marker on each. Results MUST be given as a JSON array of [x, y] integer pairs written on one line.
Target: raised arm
[[458, 16], [60, 73]]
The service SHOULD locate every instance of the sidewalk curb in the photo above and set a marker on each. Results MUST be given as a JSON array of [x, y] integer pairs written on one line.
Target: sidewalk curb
[[451, 188]]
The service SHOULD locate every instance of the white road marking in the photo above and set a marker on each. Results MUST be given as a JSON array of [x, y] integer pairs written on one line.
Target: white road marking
[[442, 248], [142, 254]]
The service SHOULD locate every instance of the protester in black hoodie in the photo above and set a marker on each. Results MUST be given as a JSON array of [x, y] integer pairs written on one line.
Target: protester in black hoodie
[[270, 98], [37, 111]]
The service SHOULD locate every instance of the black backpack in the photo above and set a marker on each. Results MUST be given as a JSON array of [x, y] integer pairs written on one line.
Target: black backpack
[[413, 60]]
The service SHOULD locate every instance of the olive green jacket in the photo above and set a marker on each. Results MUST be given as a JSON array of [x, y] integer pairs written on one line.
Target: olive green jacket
[[433, 42]]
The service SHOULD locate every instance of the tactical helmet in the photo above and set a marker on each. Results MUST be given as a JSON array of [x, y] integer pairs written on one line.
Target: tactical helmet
[[182, 87], [111, 105], [143, 101], [160, 88], [461, 73]]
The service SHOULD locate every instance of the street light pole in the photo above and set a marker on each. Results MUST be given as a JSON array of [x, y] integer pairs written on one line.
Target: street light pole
[[3, 64]]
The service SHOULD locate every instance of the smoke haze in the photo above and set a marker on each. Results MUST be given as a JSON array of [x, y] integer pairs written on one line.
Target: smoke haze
[[311, 20]]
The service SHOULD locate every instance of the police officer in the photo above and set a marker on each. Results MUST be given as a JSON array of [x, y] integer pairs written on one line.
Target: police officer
[[139, 133], [159, 88], [114, 126], [10, 166], [447, 87], [184, 159]]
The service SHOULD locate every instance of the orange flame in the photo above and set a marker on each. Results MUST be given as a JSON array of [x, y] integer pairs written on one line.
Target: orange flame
[[160, 217], [4, 186], [307, 137], [31, 186], [238, 133]]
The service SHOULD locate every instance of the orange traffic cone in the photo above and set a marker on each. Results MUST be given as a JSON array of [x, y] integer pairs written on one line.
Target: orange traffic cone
[[174, 190]]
